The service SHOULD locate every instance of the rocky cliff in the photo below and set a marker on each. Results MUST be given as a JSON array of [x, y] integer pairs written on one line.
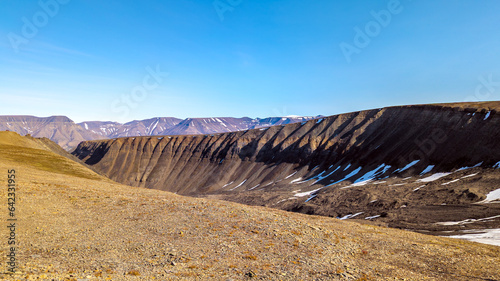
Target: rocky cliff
[[336, 166], [349, 146]]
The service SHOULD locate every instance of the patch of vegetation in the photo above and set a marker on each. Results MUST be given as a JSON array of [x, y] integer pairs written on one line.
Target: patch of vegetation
[[44, 160]]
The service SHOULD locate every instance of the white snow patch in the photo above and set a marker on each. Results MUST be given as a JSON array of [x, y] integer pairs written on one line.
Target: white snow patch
[[86, 126], [227, 184], [467, 221], [446, 183], [280, 201], [347, 167], [485, 236], [487, 115], [361, 183], [433, 177], [419, 187], [239, 185], [459, 179], [350, 216], [307, 193], [379, 182], [372, 217], [290, 175], [254, 187], [492, 196], [296, 180], [320, 120], [497, 165]]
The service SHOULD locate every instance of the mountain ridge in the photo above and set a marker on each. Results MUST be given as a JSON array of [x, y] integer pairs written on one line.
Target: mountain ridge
[[68, 134], [374, 161]]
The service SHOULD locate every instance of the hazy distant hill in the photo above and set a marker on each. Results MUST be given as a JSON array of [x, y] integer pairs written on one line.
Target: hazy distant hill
[[68, 134], [59, 129]]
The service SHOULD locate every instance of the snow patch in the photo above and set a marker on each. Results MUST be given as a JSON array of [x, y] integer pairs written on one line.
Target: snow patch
[[465, 168], [485, 236], [369, 176], [239, 185], [320, 177], [290, 175], [307, 193], [227, 184], [254, 187], [419, 187], [492, 196], [407, 166], [467, 221], [372, 217], [487, 115], [428, 169], [311, 197], [350, 216], [434, 177], [468, 176], [353, 173]]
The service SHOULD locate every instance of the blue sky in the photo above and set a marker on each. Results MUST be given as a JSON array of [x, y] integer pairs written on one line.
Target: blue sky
[[108, 60]]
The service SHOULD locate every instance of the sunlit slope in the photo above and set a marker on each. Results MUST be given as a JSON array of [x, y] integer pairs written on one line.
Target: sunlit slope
[[20, 150]]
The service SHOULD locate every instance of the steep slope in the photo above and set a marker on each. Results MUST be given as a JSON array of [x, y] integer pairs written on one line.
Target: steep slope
[[308, 161], [73, 224], [59, 129]]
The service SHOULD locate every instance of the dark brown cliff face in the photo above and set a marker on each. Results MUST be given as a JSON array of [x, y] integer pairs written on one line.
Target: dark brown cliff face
[[280, 165]]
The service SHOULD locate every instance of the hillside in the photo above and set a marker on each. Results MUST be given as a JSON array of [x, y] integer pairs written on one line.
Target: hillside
[[74, 224], [406, 166]]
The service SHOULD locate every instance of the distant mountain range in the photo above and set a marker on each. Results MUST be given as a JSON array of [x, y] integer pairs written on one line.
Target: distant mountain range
[[69, 134]]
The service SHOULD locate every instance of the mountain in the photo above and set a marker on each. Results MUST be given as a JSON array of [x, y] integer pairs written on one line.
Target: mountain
[[147, 127], [72, 223], [59, 129], [407, 166], [189, 126], [67, 134]]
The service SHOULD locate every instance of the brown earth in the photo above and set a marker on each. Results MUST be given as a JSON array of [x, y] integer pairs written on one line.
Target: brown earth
[[74, 224]]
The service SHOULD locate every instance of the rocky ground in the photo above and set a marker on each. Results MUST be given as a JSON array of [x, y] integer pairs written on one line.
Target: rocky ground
[[74, 224], [448, 205]]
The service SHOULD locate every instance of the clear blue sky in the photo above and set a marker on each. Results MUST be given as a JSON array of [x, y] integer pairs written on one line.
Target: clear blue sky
[[89, 59]]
